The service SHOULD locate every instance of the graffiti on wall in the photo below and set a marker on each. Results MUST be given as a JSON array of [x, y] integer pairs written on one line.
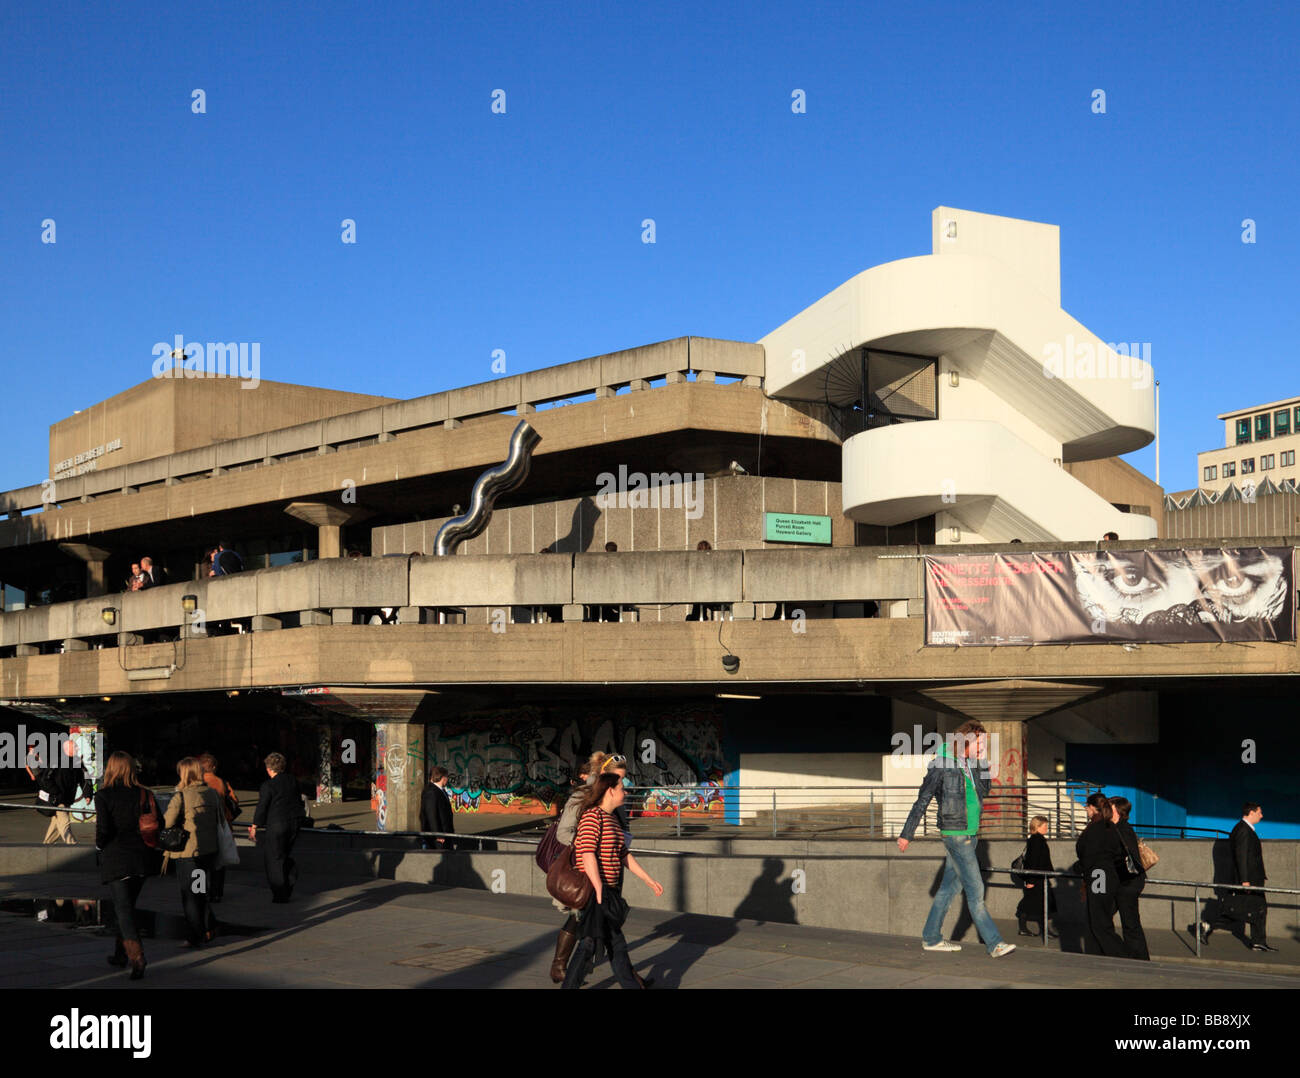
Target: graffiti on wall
[[523, 760], [379, 788]]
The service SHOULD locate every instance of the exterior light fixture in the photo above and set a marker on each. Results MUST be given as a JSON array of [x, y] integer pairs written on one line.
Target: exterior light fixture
[[954, 534], [950, 229], [109, 614], [730, 663], [189, 603], [1058, 765], [954, 379], [106, 699], [735, 696]]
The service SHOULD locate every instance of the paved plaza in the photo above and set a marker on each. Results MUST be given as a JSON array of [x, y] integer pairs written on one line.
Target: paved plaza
[[382, 934]]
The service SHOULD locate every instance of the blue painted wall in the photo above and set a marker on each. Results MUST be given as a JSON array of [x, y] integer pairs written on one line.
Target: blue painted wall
[[1196, 776]]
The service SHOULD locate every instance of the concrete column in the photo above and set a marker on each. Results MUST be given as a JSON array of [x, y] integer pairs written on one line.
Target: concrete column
[[94, 559], [401, 775], [329, 520], [1005, 812]]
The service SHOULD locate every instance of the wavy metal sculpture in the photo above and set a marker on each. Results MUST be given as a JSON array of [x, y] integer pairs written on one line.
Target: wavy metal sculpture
[[489, 486]]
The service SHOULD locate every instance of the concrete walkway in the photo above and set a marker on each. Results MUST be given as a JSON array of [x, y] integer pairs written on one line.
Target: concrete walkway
[[384, 934]]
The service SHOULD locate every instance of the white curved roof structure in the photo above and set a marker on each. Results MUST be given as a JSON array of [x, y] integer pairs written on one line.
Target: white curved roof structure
[[1019, 387]]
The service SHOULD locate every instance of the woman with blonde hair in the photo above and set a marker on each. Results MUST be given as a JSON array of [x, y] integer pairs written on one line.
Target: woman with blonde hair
[[125, 859], [1038, 855], [198, 805], [600, 851]]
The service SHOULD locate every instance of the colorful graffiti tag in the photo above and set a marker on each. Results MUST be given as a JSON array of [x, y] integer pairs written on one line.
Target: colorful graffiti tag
[[522, 760]]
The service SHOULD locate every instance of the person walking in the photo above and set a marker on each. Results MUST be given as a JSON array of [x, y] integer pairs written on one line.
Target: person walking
[[435, 810], [1245, 907], [599, 850], [566, 831], [229, 806], [195, 807], [1038, 855], [279, 813], [58, 787], [958, 777], [1100, 852], [1132, 879], [125, 860]]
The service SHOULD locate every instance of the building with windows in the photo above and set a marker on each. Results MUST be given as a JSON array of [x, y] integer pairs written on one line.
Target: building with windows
[[718, 549], [1259, 443]]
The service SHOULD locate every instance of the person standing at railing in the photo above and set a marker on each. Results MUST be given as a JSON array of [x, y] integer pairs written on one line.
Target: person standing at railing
[[1038, 855], [959, 777], [1132, 878], [1243, 907], [1100, 853]]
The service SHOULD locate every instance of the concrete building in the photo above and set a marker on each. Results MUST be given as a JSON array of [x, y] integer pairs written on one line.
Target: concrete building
[[690, 501], [1258, 444]]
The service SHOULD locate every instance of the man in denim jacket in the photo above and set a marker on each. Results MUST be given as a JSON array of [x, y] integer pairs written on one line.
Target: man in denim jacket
[[958, 776]]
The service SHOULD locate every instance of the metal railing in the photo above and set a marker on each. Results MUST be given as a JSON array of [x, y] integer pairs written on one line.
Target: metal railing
[[881, 811], [1196, 885]]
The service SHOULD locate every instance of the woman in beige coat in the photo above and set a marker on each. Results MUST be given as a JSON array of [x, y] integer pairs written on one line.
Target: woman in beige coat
[[196, 807]]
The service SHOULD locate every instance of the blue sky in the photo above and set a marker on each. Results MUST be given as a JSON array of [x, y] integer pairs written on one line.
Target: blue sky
[[522, 231]]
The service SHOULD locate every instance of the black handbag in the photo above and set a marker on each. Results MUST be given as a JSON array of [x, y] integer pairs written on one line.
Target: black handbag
[[1019, 863], [173, 839]]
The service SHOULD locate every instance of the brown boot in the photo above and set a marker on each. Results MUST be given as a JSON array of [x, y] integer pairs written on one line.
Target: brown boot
[[135, 955], [564, 944]]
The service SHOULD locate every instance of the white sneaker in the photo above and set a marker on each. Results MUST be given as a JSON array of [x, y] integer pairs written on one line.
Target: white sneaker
[[942, 945], [1001, 949]]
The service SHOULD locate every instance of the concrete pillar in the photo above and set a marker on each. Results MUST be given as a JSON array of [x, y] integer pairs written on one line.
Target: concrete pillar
[[401, 781], [94, 559], [1005, 810], [329, 520]]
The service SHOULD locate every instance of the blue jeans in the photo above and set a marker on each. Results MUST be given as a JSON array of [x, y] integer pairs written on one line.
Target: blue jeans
[[961, 872]]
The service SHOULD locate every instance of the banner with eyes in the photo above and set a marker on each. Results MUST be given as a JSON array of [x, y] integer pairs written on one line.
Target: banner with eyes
[[1098, 597]]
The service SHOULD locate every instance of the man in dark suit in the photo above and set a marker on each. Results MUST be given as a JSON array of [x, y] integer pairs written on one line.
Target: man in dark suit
[[435, 810], [1244, 907], [279, 813], [147, 577]]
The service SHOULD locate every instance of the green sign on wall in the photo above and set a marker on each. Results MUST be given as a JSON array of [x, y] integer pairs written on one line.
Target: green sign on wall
[[790, 528]]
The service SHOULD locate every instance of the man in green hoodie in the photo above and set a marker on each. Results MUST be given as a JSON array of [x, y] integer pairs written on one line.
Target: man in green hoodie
[[959, 777]]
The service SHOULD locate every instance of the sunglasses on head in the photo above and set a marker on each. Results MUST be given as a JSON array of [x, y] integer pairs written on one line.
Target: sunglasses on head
[[614, 761]]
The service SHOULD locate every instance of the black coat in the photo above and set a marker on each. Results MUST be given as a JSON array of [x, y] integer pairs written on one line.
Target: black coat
[[279, 804], [63, 783], [1038, 855], [435, 810], [1099, 848], [1247, 855], [117, 834]]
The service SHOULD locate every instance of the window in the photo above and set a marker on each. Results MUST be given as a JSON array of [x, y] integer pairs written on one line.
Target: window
[[1229, 469], [1261, 428], [1211, 472], [1243, 430], [1248, 466], [1288, 458], [1281, 422], [1266, 462]]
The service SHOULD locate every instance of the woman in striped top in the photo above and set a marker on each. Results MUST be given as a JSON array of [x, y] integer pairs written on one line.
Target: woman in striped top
[[599, 850]]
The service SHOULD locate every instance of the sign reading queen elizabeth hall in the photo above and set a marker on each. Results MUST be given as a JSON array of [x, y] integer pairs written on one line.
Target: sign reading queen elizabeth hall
[[1097, 597]]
